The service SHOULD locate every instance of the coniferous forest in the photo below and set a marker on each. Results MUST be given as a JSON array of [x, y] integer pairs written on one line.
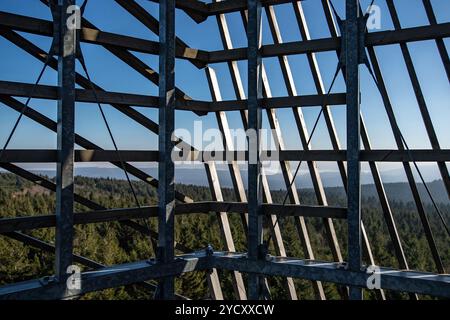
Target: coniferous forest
[[113, 243]]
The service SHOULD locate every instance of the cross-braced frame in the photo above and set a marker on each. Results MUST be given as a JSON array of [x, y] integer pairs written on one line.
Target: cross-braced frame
[[354, 46]]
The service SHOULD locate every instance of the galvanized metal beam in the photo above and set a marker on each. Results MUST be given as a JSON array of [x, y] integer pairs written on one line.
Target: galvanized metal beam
[[431, 136], [401, 155], [104, 278], [145, 71], [380, 38], [387, 212], [304, 136], [202, 58], [66, 142], [145, 212], [220, 7], [351, 43], [390, 279], [95, 36], [112, 156], [84, 201], [153, 24], [126, 100], [47, 247], [439, 41], [119, 275], [274, 226], [255, 234], [224, 224], [166, 167]]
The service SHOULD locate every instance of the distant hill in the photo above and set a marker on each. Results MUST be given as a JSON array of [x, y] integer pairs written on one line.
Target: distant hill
[[396, 187], [401, 191]]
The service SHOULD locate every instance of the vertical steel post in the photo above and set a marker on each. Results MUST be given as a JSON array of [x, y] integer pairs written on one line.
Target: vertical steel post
[[166, 170], [234, 168], [351, 45], [66, 139], [255, 122]]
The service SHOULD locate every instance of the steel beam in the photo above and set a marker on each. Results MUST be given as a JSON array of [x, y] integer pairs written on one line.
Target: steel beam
[[85, 202], [274, 227], [221, 7], [255, 234], [437, 32], [50, 124], [439, 41], [140, 67], [201, 58], [104, 278], [98, 37], [47, 247], [431, 133], [390, 279], [351, 52], [380, 38], [230, 157], [166, 167], [406, 164], [119, 275], [288, 177], [388, 215], [66, 141], [125, 100], [304, 136], [152, 24], [24, 223], [224, 224]]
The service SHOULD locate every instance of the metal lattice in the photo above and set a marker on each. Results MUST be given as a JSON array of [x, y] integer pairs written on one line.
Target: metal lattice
[[354, 46]]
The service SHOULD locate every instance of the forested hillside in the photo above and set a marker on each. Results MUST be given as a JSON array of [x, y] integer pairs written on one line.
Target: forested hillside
[[112, 243]]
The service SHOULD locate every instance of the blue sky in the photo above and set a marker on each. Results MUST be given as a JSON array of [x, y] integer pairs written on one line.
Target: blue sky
[[114, 75]]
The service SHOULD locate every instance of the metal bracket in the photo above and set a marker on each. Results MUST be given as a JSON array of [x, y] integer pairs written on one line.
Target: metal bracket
[[55, 49], [209, 250], [45, 281], [362, 33]]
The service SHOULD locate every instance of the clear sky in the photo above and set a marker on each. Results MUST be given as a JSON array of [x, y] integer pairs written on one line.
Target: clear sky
[[114, 75]]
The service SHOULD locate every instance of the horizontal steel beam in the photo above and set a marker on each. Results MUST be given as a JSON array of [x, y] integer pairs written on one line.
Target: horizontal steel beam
[[18, 89], [82, 142], [81, 95], [98, 155], [228, 6], [120, 275], [49, 248], [109, 277], [8, 225], [43, 182], [90, 35], [51, 156], [219, 7], [94, 36], [379, 38], [382, 155], [390, 279]]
